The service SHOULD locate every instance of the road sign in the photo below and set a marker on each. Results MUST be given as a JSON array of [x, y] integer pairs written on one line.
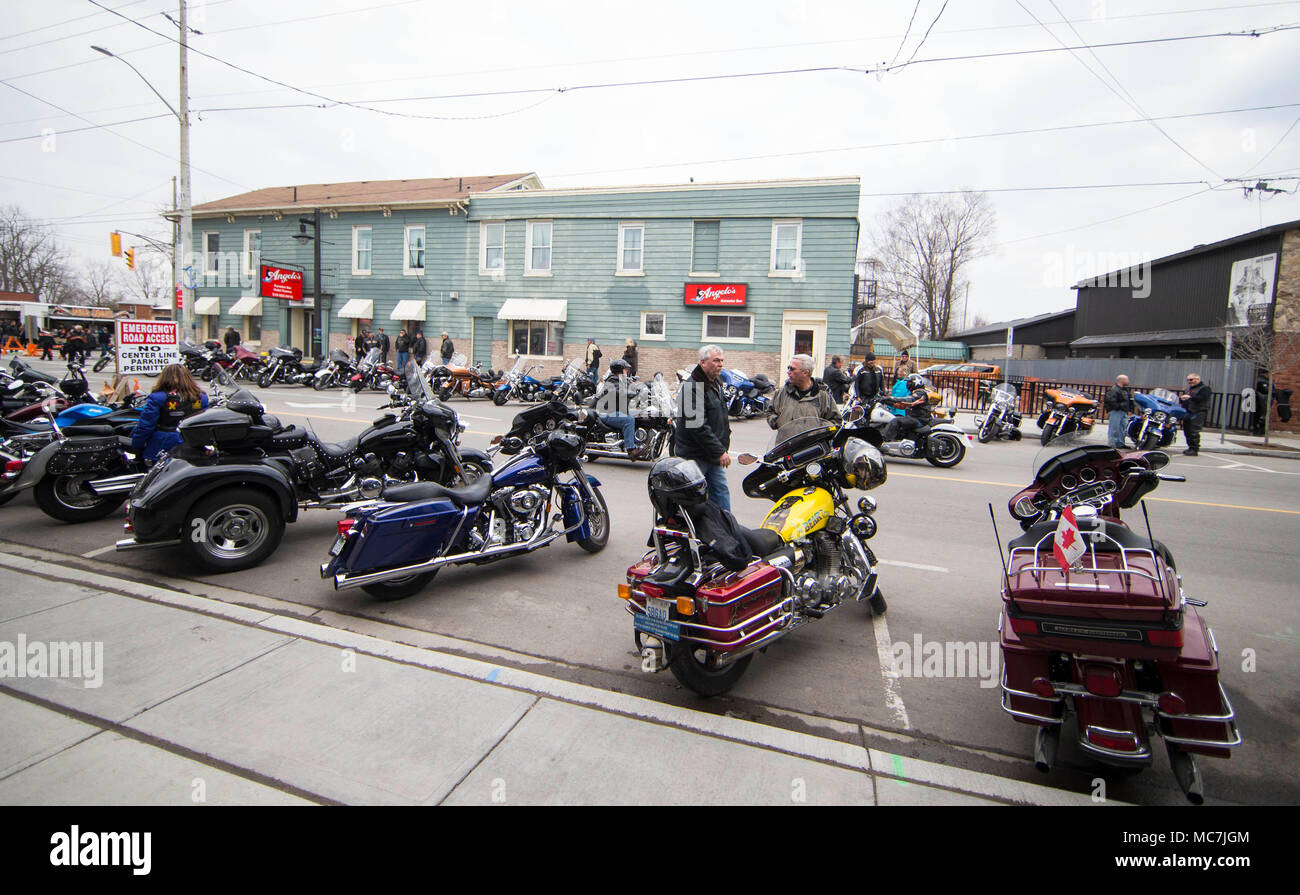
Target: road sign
[[144, 347]]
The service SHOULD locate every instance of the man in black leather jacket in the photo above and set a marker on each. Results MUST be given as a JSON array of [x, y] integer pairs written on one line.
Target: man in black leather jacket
[[1197, 401], [702, 431], [870, 381]]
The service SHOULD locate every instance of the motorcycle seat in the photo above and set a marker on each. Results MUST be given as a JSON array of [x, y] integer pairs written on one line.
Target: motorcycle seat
[[761, 541], [340, 450], [475, 492], [293, 437]]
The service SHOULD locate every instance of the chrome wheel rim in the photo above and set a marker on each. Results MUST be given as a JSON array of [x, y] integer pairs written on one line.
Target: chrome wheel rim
[[71, 491], [236, 531]]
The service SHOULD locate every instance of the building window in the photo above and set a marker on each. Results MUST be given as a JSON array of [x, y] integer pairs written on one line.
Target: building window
[[786, 239], [361, 250], [492, 247], [414, 250], [537, 253], [252, 251], [631, 249], [652, 325], [704, 248], [728, 328], [252, 329], [211, 253], [540, 338]]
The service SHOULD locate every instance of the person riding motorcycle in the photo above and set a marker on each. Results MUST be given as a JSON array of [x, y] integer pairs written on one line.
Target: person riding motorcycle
[[175, 396], [613, 403], [917, 406]]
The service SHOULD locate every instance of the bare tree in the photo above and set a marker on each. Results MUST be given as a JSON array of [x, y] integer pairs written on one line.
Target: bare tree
[[924, 246], [30, 261], [1270, 352], [100, 284], [150, 282]]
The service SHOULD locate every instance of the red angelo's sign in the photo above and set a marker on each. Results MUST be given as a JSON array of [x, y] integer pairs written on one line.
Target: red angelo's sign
[[730, 295], [281, 282]]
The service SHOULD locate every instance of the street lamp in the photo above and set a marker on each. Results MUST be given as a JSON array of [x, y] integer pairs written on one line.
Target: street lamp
[[187, 218]]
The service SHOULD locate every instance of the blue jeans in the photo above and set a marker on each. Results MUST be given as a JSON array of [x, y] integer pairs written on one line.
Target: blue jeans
[[401, 360], [624, 422], [1118, 427], [716, 476]]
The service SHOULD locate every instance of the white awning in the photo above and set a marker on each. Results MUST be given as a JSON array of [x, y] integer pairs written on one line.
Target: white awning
[[207, 307], [534, 309], [359, 308], [897, 332], [248, 306], [408, 310]]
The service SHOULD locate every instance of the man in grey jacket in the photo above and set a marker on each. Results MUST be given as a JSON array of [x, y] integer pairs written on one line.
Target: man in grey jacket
[[802, 396]]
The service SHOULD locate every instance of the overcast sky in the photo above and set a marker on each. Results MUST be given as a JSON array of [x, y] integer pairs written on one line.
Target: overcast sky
[[914, 128]]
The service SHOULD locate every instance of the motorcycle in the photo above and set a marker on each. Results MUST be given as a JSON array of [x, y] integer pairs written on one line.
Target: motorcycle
[[1066, 411], [392, 549], [940, 443], [1106, 633], [1001, 418], [456, 378], [105, 359], [1156, 419], [517, 384], [283, 365], [653, 410], [338, 370], [239, 477], [711, 593], [746, 397], [568, 386]]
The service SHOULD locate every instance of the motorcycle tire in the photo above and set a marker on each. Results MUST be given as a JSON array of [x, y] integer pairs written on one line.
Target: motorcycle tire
[[693, 674], [264, 381], [500, 398], [877, 603], [233, 529], [949, 454], [598, 526], [321, 383], [985, 434], [1151, 441], [399, 588], [444, 393], [470, 472], [1049, 432], [65, 497], [207, 374], [101, 364]]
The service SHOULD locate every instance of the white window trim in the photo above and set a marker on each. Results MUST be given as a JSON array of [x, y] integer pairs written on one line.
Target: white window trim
[[706, 273], [406, 250], [357, 271], [207, 271], [704, 328], [510, 341], [798, 250], [529, 271], [654, 337], [619, 270], [483, 269], [247, 265]]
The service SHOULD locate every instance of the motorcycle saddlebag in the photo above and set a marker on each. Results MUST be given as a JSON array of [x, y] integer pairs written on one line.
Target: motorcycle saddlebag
[[1194, 676], [80, 455], [741, 606], [1020, 665]]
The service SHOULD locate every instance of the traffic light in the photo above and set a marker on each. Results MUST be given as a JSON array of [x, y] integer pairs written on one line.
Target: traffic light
[[130, 259], [115, 244]]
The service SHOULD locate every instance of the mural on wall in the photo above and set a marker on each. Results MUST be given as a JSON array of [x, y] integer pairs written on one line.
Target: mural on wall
[[1250, 293]]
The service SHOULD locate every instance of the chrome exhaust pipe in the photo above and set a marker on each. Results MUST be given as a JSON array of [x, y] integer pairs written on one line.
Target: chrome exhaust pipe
[[344, 580], [1187, 774], [133, 544], [1045, 743], [122, 484]]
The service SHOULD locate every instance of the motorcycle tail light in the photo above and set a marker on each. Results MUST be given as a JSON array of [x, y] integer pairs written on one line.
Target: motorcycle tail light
[[1171, 703], [1119, 742], [1165, 638], [1024, 626], [13, 466], [1101, 680], [345, 526], [1041, 686]]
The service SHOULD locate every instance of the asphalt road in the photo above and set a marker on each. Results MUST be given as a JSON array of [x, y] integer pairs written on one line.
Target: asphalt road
[[1232, 526]]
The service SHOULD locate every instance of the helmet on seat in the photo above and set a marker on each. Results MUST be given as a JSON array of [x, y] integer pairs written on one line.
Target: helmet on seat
[[675, 482]]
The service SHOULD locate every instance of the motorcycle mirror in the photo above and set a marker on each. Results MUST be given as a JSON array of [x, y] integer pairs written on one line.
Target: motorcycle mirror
[[1157, 459], [746, 459]]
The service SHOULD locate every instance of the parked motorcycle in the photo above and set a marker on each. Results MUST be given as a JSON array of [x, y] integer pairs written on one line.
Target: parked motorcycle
[[653, 410], [457, 378], [746, 397], [1106, 632], [573, 384], [394, 548], [240, 476], [283, 364], [517, 384], [1065, 412], [1156, 419], [1001, 417], [712, 593], [105, 359], [338, 370]]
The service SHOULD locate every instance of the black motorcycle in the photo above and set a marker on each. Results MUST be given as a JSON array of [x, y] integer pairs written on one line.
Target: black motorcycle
[[338, 370], [653, 410], [239, 476], [1001, 417], [283, 365]]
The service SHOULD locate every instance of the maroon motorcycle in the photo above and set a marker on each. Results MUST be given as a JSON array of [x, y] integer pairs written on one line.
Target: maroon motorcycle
[[1095, 623]]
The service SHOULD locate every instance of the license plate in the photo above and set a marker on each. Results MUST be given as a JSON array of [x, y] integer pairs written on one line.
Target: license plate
[[657, 608], [337, 547]]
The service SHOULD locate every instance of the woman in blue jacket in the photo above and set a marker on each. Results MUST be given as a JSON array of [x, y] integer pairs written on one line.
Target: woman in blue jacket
[[175, 396]]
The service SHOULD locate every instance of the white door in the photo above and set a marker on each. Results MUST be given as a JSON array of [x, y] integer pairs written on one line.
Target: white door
[[804, 332]]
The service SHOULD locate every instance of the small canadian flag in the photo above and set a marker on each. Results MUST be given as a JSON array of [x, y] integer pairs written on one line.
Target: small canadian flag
[[1067, 545]]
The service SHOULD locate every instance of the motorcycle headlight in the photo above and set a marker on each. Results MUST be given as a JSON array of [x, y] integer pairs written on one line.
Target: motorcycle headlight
[[1160, 416]]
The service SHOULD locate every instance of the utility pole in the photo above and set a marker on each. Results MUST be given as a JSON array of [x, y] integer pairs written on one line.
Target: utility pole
[[183, 257]]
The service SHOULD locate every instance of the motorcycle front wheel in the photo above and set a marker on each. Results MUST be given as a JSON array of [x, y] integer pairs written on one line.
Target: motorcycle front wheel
[[985, 434], [598, 522], [690, 666], [1049, 432], [101, 363], [320, 383], [1151, 441], [500, 398], [265, 379]]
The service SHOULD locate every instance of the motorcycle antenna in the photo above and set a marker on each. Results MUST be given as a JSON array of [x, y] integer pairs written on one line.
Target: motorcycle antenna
[[1006, 576], [1164, 597]]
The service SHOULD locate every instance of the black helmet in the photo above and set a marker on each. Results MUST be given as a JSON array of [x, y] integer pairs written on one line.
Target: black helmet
[[863, 465], [676, 482], [73, 387], [915, 381], [619, 366]]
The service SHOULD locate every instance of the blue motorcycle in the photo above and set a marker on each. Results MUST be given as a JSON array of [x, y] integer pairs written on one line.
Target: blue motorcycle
[[517, 384], [1155, 420], [393, 548], [746, 397]]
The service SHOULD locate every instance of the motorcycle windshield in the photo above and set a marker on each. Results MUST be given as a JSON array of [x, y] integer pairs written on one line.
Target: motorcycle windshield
[[662, 400], [1070, 443], [458, 360], [371, 358], [1005, 391], [418, 379], [573, 369]]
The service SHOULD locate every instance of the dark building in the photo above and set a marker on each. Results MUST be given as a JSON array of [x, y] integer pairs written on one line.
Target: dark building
[[1042, 336]]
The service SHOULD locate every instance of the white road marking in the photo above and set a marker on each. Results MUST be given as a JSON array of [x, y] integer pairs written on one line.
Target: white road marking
[[102, 550], [890, 674], [913, 565], [313, 403]]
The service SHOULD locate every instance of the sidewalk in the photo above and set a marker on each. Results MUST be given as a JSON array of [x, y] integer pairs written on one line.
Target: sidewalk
[[197, 700]]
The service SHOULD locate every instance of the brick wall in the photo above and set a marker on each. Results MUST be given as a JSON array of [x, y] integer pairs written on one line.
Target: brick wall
[[1286, 324], [653, 359]]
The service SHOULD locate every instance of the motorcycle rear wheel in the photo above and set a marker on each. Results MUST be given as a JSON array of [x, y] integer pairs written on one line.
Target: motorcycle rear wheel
[[696, 675], [234, 529], [101, 363], [66, 498], [949, 452], [399, 588]]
